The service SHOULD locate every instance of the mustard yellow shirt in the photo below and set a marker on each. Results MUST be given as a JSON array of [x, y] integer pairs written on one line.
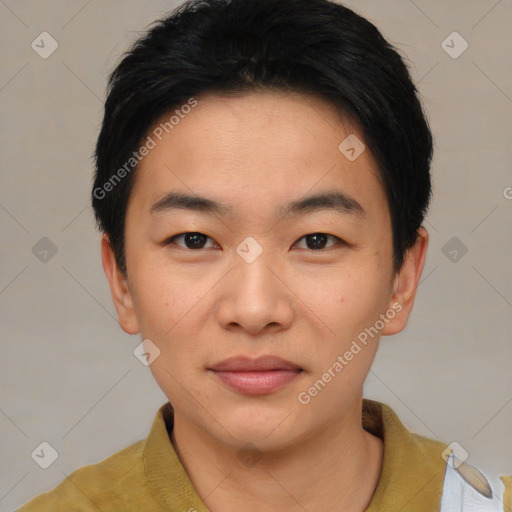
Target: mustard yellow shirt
[[148, 476]]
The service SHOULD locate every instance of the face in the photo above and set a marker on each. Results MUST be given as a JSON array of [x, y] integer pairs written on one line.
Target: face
[[288, 254]]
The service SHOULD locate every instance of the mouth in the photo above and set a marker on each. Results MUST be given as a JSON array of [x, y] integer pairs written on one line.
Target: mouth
[[259, 376]]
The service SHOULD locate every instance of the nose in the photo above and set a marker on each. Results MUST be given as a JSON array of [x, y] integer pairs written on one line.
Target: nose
[[256, 298]]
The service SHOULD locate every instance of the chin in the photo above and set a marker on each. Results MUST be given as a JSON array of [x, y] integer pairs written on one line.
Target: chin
[[261, 424]]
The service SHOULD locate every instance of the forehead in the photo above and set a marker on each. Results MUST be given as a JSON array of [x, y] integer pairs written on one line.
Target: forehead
[[256, 149]]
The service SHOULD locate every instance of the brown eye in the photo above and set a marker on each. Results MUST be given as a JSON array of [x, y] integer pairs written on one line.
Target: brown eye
[[193, 240], [318, 241]]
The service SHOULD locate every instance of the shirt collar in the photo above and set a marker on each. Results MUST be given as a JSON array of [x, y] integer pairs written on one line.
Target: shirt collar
[[412, 469]]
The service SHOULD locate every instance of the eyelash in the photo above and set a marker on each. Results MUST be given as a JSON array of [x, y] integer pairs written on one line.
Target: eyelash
[[170, 240]]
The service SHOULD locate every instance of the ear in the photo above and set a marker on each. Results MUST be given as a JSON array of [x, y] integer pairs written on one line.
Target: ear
[[119, 289], [406, 283]]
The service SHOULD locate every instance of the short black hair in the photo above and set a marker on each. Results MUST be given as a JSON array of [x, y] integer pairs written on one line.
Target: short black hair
[[317, 47]]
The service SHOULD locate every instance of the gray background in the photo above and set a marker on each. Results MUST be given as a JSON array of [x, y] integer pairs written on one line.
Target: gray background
[[68, 373]]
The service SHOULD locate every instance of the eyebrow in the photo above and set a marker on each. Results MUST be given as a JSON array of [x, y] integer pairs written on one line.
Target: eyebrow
[[334, 200]]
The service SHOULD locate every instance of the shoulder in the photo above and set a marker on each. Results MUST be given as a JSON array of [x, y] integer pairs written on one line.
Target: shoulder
[[469, 490], [105, 485]]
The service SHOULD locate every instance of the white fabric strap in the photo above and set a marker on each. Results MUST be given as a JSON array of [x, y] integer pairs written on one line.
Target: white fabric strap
[[460, 496]]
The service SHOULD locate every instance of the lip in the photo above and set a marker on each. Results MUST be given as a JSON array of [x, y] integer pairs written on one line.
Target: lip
[[259, 376], [261, 364]]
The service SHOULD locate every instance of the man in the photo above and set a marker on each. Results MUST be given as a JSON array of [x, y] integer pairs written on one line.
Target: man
[[263, 172]]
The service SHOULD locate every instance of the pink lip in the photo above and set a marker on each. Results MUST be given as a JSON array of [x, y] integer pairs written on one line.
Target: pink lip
[[256, 376]]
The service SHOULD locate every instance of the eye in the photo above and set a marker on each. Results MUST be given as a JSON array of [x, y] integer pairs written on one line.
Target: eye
[[317, 241], [192, 240], [198, 241]]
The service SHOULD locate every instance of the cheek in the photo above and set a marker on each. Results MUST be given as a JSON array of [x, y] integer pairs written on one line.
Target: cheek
[[157, 300], [353, 300], [170, 308]]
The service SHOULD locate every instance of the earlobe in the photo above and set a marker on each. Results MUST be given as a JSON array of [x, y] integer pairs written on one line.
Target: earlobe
[[406, 284], [121, 295]]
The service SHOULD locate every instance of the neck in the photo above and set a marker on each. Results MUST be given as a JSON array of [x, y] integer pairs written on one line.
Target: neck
[[341, 465]]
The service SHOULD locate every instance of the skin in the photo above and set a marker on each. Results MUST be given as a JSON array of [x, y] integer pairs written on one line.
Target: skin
[[200, 306]]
